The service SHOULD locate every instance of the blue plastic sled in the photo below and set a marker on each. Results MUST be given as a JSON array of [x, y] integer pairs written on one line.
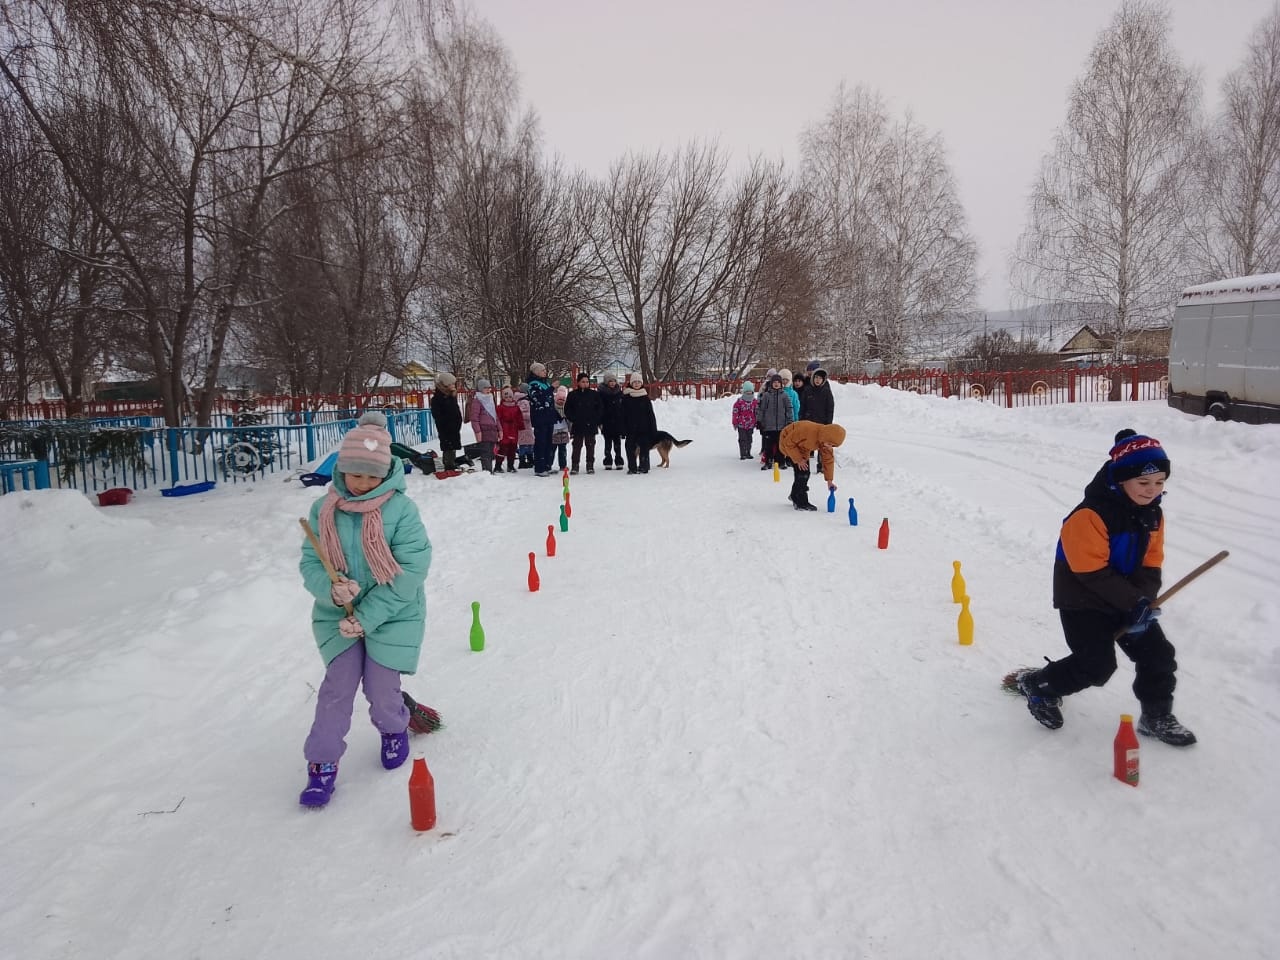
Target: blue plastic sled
[[186, 489], [329, 465]]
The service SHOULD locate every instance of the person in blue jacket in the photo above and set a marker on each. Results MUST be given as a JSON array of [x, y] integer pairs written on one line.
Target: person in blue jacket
[[372, 536], [543, 417]]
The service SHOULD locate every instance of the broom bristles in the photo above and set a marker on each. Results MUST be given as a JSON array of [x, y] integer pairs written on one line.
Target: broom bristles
[[422, 719]]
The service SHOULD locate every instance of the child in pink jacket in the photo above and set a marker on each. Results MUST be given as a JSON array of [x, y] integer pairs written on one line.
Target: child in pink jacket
[[744, 418]]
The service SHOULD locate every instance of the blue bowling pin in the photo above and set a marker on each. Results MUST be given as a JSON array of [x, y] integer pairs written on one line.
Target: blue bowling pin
[[831, 502], [853, 514]]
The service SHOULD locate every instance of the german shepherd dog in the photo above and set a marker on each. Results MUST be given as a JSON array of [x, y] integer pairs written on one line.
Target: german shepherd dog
[[663, 442]]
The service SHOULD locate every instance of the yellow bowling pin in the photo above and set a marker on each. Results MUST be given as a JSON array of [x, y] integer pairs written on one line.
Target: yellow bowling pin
[[964, 625], [957, 584], [777, 474]]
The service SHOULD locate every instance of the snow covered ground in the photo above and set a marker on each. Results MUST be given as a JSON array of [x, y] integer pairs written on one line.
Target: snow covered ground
[[721, 729]]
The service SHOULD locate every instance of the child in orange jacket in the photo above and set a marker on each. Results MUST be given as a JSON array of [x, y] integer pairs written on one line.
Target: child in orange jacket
[[798, 442], [1106, 575]]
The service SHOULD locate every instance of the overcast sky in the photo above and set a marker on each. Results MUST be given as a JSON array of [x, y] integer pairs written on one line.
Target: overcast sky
[[992, 76]]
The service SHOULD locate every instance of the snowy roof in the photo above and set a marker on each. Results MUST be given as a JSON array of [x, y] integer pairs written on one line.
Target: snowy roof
[[384, 380], [1260, 286]]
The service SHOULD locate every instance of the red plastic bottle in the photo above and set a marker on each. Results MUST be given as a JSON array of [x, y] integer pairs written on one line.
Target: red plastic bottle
[[1126, 752], [422, 795], [534, 580], [883, 541]]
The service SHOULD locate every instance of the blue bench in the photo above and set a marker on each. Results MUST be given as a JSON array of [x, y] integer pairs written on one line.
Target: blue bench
[[24, 475]]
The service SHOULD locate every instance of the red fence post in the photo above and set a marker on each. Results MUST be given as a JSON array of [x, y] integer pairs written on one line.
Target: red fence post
[[1008, 388]]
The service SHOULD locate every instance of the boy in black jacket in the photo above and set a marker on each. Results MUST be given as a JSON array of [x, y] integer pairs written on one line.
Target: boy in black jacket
[[1106, 576], [817, 403], [583, 409], [611, 421]]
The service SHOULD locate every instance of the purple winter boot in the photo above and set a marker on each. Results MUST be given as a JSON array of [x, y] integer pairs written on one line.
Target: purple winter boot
[[395, 749], [321, 779]]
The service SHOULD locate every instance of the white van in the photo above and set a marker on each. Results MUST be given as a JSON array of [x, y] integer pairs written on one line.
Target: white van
[[1224, 357]]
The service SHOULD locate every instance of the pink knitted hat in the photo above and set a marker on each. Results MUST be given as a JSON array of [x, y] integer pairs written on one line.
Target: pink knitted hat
[[366, 448]]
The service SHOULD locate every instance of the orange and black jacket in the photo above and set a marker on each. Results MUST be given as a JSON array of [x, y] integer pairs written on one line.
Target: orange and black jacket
[[1110, 551]]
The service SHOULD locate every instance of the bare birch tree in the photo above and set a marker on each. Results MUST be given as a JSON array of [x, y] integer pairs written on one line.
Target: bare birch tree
[[220, 97], [926, 262], [1238, 232], [844, 158], [897, 252], [1105, 219], [669, 245], [769, 303]]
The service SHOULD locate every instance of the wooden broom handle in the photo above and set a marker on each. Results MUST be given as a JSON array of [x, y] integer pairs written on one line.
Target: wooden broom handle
[[328, 567], [1213, 561]]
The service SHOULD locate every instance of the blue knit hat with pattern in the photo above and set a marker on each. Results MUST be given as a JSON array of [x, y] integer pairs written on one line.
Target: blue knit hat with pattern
[[1135, 455]]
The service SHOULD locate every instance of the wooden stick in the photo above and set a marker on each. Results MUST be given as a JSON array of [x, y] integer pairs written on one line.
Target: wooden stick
[[1213, 561], [328, 567]]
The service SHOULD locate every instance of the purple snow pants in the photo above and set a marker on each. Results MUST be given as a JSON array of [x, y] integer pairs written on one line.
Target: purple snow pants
[[327, 741]]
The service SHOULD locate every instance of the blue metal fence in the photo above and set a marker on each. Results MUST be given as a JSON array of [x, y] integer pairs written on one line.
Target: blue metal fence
[[157, 455]]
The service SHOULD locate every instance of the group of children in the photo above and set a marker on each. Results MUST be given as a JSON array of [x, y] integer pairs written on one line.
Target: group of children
[[781, 403], [533, 425], [368, 575]]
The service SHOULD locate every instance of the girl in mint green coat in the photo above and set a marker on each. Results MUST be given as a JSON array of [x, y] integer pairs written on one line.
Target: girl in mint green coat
[[373, 537]]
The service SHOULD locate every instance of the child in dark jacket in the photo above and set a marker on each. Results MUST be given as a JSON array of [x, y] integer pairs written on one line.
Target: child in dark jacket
[[1106, 575], [611, 421], [583, 411], [817, 403], [639, 424], [744, 419], [773, 413], [448, 418]]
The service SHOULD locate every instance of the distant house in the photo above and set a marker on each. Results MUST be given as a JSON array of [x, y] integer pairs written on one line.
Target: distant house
[[1086, 345], [416, 375]]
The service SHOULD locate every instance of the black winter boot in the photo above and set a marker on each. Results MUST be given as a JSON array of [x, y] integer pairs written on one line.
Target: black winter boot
[[1041, 701], [1165, 727]]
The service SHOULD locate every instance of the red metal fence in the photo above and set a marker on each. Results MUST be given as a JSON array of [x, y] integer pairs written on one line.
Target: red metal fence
[[1009, 388]]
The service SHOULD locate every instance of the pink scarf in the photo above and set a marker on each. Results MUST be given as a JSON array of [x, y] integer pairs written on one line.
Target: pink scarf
[[377, 552]]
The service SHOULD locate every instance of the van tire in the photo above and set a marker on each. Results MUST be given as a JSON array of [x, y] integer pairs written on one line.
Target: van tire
[[1219, 411]]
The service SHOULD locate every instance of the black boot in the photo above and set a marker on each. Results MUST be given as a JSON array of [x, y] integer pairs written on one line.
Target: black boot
[[1042, 702], [1165, 726]]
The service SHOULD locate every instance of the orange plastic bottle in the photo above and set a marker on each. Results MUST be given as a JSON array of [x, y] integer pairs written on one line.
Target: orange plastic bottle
[[882, 541], [1126, 752], [422, 795]]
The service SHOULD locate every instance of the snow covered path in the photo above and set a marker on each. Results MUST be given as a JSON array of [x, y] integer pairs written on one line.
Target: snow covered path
[[720, 729]]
